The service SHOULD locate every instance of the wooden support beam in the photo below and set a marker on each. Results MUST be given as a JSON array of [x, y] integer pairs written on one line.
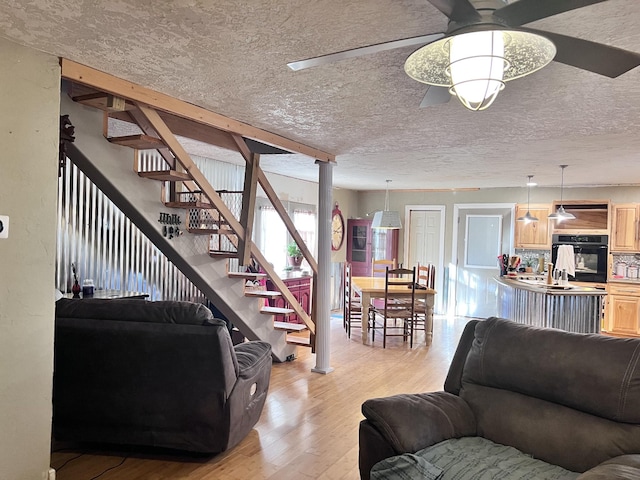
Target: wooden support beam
[[248, 207], [108, 83]]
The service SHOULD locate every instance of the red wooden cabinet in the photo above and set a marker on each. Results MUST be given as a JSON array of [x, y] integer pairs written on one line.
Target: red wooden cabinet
[[365, 244], [300, 288]]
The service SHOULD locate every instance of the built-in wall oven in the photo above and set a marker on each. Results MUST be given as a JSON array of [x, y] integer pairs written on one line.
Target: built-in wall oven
[[590, 252]]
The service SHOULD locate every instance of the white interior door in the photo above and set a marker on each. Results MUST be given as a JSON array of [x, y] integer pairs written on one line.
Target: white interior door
[[483, 233], [424, 242]]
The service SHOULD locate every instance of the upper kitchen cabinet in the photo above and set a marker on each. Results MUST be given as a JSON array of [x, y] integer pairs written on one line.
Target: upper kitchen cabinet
[[624, 228], [533, 235], [591, 217]]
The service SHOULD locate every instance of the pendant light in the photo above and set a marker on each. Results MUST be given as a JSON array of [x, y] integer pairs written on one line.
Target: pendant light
[[528, 218], [386, 219], [560, 214]]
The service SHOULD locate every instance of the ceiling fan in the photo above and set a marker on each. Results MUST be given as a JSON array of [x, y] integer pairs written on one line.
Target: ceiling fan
[[485, 46]]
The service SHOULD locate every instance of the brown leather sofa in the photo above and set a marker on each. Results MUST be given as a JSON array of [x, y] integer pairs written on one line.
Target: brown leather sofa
[[571, 400], [156, 374]]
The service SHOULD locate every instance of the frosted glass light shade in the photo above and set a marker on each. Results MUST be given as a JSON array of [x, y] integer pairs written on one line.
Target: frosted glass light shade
[[519, 54], [386, 219], [477, 67]]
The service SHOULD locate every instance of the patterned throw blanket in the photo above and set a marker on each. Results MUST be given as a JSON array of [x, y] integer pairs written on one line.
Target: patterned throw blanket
[[468, 458]]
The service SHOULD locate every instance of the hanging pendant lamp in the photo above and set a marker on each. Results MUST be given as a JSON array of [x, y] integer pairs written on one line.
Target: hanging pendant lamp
[[386, 219], [528, 218], [560, 214]]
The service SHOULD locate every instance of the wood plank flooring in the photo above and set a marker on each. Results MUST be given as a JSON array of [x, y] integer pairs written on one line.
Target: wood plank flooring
[[309, 426]]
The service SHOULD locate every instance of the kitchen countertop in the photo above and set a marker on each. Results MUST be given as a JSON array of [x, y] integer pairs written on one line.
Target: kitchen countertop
[[539, 285]]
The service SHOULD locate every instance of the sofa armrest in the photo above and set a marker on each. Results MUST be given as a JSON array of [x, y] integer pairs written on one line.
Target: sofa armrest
[[624, 467], [410, 422], [251, 356]]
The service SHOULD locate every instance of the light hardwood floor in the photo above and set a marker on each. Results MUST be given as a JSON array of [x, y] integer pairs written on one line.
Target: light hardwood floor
[[309, 426]]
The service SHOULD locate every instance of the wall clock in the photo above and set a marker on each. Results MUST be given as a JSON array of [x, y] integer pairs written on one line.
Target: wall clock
[[337, 228]]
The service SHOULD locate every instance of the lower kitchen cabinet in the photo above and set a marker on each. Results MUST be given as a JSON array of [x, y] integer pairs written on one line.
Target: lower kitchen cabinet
[[623, 310], [300, 288]]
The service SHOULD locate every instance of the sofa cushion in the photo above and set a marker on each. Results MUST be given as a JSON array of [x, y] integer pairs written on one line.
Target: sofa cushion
[[624, 467], [592, 373], [183, 313], [469, 458]]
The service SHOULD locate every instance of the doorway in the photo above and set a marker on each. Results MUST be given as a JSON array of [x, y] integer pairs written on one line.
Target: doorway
[[481, 233], [424, 243]]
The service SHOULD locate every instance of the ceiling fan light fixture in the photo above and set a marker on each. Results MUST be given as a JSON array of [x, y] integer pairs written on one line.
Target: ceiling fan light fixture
[[476, 61]]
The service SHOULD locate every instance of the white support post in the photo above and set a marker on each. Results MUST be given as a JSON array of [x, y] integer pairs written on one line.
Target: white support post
[[323, 287]]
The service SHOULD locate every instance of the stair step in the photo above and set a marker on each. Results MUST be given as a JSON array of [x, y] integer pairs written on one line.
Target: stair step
[[222, 254], [141, 142], [196, 204], [262, 293], [101, 100], [203, 231], [302, 341], [276, 311], [289, 326], [246, 274], [166, 175]]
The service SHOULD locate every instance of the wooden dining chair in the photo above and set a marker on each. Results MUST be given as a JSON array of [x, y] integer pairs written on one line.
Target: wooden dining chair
[[352, 311], [379, 267], [425, 278], [397, 317]]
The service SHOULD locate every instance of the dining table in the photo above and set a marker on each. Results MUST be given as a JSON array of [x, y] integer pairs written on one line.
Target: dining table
[[369, 288]]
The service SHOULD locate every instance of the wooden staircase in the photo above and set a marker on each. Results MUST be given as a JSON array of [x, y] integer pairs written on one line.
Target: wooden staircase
[[206, 217]]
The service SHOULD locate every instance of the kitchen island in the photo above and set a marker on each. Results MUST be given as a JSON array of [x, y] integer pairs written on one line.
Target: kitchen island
[[533, 302]]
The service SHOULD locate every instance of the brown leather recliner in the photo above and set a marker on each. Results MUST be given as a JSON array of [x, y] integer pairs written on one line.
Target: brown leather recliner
[[159, 374], [571, 400]]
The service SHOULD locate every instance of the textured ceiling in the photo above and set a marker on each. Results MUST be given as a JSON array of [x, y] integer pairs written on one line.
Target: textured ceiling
[[230, 57]]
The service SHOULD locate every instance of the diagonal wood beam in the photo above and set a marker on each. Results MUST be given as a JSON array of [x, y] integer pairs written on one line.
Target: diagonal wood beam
[[138, 94], [248, 207], [185, 160], [277, 204], [189, 165]]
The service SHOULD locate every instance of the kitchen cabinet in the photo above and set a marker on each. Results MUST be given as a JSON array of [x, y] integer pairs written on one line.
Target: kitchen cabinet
[[591, 217], [365, 244], [623, 310], [300, 288], [533, 235], [624, 228]]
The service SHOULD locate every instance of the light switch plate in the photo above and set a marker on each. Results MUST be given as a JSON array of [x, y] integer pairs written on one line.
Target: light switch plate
[[4, 226]]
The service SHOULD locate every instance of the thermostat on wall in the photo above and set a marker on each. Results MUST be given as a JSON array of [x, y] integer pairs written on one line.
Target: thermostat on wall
[[4, 226]]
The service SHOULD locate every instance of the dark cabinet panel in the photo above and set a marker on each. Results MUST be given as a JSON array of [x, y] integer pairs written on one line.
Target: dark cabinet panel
[[364, 244], [300, 288]]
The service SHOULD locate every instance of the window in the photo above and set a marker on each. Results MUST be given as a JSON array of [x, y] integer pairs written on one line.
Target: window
[[271, 234]]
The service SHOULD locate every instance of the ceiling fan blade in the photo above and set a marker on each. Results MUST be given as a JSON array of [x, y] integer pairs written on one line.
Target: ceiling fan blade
[[526, 11], [357, 52], [460, 11], [594, 57], [435, 96]]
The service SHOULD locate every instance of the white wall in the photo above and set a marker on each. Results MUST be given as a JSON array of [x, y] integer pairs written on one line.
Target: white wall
[[29, 95], [370, 201]]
